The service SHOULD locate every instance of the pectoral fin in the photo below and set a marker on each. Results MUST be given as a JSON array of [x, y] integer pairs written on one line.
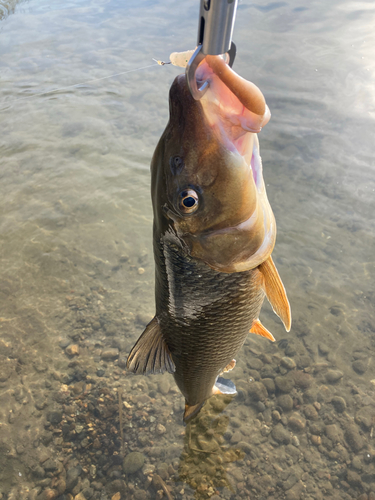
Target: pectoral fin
[[150, 353], [259, 329], [275, 291]]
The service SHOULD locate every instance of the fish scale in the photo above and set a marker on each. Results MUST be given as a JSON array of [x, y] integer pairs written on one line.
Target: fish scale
[[213, 334], [214, 232]]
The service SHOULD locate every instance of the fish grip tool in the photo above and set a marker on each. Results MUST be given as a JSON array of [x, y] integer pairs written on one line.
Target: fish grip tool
[[215, 29]]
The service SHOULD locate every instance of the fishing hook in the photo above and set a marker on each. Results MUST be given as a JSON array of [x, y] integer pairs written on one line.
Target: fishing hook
[[215, 29]]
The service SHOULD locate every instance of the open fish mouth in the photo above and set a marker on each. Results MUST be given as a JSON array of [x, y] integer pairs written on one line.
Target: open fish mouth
[[236, 111], [234, 106]]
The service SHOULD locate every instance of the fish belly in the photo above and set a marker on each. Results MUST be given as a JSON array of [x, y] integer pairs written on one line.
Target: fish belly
[[204, 316]]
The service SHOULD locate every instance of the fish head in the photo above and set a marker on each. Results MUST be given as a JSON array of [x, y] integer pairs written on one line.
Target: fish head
[[207, 182]]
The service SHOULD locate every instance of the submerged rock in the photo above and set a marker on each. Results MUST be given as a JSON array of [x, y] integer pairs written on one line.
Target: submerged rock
[[333, 376], [133, 462]]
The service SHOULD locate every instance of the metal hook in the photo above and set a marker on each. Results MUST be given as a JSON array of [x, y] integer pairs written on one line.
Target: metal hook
[[191, 68], [216, 22]]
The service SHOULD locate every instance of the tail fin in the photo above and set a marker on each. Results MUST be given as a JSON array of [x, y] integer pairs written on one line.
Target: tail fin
[[191, 411]]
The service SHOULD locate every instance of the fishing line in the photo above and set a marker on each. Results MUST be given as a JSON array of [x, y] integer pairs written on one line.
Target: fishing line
[[77, 84]]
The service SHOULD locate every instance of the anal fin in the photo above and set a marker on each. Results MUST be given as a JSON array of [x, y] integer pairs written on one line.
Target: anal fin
[[224, 386], [150, 354], [229, 366], [261, 330], [275, 292]]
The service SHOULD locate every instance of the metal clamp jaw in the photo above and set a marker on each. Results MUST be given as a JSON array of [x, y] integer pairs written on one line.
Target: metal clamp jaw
[[216, 22]]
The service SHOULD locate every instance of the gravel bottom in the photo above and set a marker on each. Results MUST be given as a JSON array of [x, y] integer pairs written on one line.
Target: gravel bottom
[[297, 429]]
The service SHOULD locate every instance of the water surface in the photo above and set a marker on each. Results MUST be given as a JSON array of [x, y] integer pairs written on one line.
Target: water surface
[[76, 264]]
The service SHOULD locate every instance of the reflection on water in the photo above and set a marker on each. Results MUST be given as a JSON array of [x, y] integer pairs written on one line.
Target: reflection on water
[[204, 459], [76, 263], [8, 7]]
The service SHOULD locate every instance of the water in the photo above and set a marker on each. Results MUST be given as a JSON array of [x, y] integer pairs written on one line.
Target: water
[[77, 267]]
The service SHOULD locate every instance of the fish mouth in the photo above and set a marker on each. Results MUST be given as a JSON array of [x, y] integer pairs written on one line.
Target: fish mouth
[[236, 111]]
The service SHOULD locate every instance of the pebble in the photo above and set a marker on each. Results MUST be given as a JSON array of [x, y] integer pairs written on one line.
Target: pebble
[[260, 407], [333, 376], [303, 361], [50, 465], [339, 404], [257, 391], [316, 440], [160, 429], [133, 462], [285, 402], [296, 422], [333, 433], [148, 469], [80, 496], [280, 434], [254, 363], [55, 417], [140, 495], [353, 438], [356, 463], [110, 353], [116, 486], [310, 412], [366, 417], [276, 415], [267, 372], [310, 396], [208, 445], [72, 350], [301, 379], [237, 436], [246, 447], [295, 441], [47, 494], [269, 384], [288, 363], [72, 477], [164, 386], [323, 349], [353, 478], [64, 343], [284, 383], [359, 366]]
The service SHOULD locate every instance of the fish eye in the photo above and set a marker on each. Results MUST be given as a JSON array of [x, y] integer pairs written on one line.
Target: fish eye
[[188, 201]]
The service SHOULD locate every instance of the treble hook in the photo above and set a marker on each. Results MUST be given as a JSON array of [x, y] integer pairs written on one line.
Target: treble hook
[[215, 29]]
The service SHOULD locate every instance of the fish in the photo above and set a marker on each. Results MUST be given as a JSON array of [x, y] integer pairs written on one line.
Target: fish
[[213, 235]]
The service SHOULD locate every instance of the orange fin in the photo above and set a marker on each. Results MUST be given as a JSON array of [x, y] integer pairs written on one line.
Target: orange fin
[[259, 329], [150, 353], [191, 411], [275, 291], [229, 366]]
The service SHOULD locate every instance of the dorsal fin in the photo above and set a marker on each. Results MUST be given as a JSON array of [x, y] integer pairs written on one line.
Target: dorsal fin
[[275, 291], [261, 330], [150, 353]]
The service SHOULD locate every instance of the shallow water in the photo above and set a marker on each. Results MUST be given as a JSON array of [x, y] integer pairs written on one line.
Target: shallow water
[[76, 267]]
